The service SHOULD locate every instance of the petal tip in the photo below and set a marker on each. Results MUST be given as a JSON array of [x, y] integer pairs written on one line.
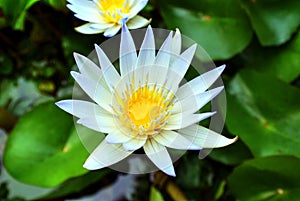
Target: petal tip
[[92, 164], [169, 171], [221, 68]]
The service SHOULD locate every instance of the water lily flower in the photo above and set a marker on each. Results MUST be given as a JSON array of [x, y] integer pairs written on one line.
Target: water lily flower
[[144, 105], [107, 16]]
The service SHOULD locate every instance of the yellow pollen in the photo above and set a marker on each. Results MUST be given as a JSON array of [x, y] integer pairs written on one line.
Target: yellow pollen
[[146, 105], [112, 9]]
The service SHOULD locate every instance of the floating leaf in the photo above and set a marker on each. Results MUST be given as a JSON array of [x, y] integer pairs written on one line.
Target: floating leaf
[[78, 184], [270, 178], [265, 113], [44, 148], [283, 61], [274, 21], [220, 27]]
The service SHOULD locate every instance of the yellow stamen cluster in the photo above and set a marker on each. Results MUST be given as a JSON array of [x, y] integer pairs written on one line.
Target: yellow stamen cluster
[[113, 10], [146, 110]]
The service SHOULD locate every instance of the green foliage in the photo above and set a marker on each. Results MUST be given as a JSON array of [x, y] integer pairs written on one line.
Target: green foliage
[[78, 184], [274, 21], [155, 195], [259, 40], [220, 27], [232, 155], [271, 107], [270, 178], [15, 11], [45, 137], [283, 61]]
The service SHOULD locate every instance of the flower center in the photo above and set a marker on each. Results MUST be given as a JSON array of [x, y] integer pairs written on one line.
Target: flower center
[[144, 106], [144, 111], [113, 10]]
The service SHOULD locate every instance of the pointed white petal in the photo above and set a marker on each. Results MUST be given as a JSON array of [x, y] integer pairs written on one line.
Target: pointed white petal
[[136, 7], [205, 137], [135, 143], [87, 67], [147, 51], [128, 54], [86, 29], [194, 102], [117, 137], [103, 124], [181, 120], [84, 13], [200, 83], [176, 43], [112, 31], [165, 52], [159, 155], [80, 108], [137, 22], [181, 63], [174, 140], [94, 90], [110, 74], [105, 155], [82, 3]]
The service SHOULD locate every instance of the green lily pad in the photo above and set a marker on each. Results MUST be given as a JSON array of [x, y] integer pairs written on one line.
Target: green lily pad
[[273, 21], [265, 113], [273, 178], [220, 27], [15, 11], [283, 61], [80, 184], [44, 148]]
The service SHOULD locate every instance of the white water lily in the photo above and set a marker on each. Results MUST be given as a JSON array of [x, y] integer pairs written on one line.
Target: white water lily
[[107, 16], [143, 106]]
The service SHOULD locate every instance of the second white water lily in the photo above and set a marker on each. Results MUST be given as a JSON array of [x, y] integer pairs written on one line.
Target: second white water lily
[[107, 16], [143, 104]]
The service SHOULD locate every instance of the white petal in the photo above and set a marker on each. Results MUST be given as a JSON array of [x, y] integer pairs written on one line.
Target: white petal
[[176, 43], [136, 7], [205, 137], [86, 29], [117, 137], [94, 90], [103, 124], [194, 102], [137, 22], [101, 26], [82, 3], [110, 74], [200, 83], [128, 54], [174, 140], [181, 120], [105, 155], [112, 31], [159, 155], [165, 52], [181, 64], [80, 108], [147, 51], [135, 143], [87, 67], [89, 14]]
